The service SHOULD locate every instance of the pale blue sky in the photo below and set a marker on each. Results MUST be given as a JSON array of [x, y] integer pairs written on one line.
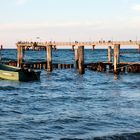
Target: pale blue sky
[[68, 20]]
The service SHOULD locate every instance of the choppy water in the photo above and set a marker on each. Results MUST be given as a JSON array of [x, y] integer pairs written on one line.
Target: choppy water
[[64, 104]]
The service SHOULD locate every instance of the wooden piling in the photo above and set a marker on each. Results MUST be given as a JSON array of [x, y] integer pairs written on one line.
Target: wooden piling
[[71, 66], [54, 47], [45, 66], [139, 48], [19, 56], [1, 47], [41, 67], [64, 66], [93, 47], [109, 54], [60, 66], [49, 58], [56, 66], [0, 52], [123, 69], [35, 66], [73, 47], [38, 66], [81, 59], [76, 58], [116, 57], [31, 66]]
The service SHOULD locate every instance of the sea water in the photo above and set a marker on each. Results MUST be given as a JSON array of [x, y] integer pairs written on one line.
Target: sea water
[[64, 104]]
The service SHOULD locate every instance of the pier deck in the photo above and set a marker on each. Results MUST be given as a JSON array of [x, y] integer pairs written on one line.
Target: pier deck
[[78, 47], [76, 43]]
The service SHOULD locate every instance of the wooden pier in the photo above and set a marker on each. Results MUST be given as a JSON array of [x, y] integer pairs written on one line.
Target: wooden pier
[[130, 67], [112, 65], [35, 45]]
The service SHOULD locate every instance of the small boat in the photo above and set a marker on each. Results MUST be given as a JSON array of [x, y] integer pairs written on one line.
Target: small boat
[[18, 74]]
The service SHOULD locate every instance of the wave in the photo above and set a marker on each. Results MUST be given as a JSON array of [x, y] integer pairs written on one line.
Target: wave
[[124, 136], [5, 88]]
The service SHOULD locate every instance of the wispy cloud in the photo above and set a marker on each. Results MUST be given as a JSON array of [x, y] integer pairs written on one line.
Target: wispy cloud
[[28, 26], [136, 7], [21, 2]]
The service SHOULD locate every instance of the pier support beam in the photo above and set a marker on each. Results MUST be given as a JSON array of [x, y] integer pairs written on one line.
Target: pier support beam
[[54, 47], [109, 54], [139, 48], [76, 57], [73, 47], [49, 58], [81, 60], [1, 47], [93, 47], [116, 57], [19, 56]]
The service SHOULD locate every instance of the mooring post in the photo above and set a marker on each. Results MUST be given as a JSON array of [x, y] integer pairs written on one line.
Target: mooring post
[[54, 47], [109, 54], [49, 58], [116, 57], [1, 47], [19, 55], [81, 59], [139, 48], [76, 57], [93, 47], [73, 47]]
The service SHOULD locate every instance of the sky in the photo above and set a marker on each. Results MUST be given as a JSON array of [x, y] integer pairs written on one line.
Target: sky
[[68, 20]]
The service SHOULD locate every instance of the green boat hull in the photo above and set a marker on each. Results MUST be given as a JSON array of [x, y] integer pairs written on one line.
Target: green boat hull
[[18, 74]]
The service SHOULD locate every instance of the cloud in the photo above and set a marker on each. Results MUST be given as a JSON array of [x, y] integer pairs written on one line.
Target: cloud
[[21, 2], [92, 25], [23, 26], [136, 7]]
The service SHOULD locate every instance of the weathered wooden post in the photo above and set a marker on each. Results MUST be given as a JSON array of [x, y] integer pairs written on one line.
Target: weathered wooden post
[[76, 57], [73, 47], [109, 54], [139, 48], [1, 47], [49, 58], [19, 55], [54, 47], [110, 57], [116, 57], [93, 47], [81, 60]]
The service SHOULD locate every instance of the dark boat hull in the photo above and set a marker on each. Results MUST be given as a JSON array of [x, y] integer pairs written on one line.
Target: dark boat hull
[[18, 74]]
